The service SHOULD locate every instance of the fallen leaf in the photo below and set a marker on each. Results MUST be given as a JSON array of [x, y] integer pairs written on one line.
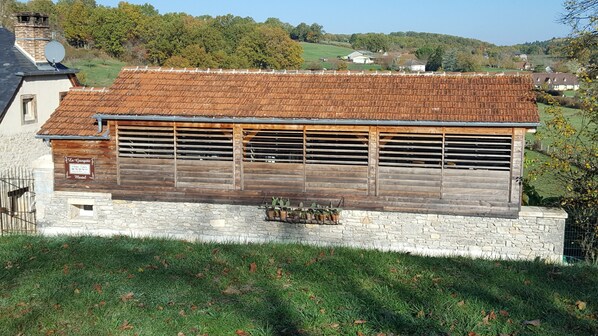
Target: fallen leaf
[[182, 313], [98, 288], [460, 303], [125, 326], [421, 314], [65, 246], [252, 267], [471, 333], [65, 269], [180, 333], [492, 316], [334, 325], [359, 333], [241, 332], [504, 313], [580, 305], [485, 320], [527, 282], [279, 273], [127, 297], [77, 291], [359, 321], [535, 323]]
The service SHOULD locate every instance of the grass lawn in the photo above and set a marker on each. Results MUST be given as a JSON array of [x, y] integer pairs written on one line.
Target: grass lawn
[[313, 52], [124, 286], [96, 72]]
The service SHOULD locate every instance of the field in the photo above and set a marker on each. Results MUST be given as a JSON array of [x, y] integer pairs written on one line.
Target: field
[[96, 72], [125, 286], [313, 52]]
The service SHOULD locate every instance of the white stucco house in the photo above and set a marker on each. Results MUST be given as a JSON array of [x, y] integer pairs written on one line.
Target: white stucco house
[[30, 89]]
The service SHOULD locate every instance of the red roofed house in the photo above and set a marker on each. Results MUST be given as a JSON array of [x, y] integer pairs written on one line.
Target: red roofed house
[[428, 144]]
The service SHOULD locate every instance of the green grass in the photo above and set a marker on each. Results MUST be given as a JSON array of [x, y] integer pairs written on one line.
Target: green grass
[[124, 286], [96, 72], [313, 52], [547, 185], [490, 69]]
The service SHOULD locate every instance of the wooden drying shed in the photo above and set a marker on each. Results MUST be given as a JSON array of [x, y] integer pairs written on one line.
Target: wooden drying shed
[[434, 143]]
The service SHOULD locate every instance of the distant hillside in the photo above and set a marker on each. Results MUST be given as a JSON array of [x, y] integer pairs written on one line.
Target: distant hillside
[[417, 40]]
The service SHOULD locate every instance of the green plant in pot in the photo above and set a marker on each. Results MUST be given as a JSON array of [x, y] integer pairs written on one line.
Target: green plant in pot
[[335, 214], [284, 208], [271, 209]]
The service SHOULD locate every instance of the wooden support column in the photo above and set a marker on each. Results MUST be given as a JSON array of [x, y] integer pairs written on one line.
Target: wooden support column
[[238, 157], [517, 150], [373, 161]]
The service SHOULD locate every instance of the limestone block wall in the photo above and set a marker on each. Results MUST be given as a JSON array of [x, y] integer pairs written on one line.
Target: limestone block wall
[[20, 150], [538, 232]]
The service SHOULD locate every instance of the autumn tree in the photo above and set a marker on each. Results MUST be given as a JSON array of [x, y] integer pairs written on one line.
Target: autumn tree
[[574, 155], [76, 20], [270, 48]]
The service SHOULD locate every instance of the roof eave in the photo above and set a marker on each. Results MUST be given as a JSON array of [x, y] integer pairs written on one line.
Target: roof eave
[[46, 137], [304, 121], [47, 73]]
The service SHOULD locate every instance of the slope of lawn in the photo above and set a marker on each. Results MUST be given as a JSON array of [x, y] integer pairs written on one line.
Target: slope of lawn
[[313, 52], [124, 286], [96, 72]]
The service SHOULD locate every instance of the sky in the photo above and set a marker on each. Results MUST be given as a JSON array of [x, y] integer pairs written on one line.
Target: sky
[[502, 22]]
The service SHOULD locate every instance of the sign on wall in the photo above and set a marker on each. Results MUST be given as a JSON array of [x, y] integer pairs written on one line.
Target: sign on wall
[[79, 168]]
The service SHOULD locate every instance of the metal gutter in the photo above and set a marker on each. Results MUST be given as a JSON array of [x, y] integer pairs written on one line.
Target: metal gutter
[[47, 73], [74, 137], [252, 120]]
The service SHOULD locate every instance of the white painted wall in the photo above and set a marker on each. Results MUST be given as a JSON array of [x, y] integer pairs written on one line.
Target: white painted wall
[[47, 92]]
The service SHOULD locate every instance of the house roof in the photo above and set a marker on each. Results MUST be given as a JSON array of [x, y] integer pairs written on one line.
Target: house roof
[[557, 78], [334, 97], [74, 116], [14, 66]]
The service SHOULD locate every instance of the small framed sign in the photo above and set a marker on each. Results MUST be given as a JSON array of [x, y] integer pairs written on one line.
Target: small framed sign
[[79, 168]]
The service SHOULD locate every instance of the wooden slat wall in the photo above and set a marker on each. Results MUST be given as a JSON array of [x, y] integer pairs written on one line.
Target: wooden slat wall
[[205, 174], [273, 177], [416, 184], [336, 179], [409, 182], [483, 185], [157, 172]]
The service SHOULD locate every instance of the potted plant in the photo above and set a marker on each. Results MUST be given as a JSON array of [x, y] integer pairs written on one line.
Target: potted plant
[[335, 214], [271, 209], [284, 208]]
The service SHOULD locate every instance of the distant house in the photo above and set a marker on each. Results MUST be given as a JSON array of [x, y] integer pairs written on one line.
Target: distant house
[[360, 57], [30, 89], [523, 66], [556, 81], [415, 66]]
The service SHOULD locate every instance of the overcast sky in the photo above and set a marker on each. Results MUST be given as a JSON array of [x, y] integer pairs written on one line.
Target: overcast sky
[[502, 22]]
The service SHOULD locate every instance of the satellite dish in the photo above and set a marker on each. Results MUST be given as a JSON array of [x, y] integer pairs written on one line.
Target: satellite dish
[[54, 52]]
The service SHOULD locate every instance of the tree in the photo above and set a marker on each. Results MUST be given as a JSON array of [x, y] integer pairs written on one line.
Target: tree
[[75, 18], [449, 60], [574, 158], [424, 53], [371, 41], [435, 61], [270, 48]]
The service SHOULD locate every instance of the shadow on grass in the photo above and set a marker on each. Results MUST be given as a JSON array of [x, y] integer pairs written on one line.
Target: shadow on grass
[[290, 290]]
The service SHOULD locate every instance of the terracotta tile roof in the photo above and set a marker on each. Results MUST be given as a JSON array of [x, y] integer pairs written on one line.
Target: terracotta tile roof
[[300, 95], [74, 116]]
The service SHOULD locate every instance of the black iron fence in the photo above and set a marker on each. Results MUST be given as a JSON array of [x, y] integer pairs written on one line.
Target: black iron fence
[[17, 202]]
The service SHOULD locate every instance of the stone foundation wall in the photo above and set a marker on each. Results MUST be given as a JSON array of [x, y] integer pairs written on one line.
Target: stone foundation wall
[[20, 150], [538, 232]]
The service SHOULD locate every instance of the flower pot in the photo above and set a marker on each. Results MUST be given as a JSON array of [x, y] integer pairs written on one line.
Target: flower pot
[[283, 215]]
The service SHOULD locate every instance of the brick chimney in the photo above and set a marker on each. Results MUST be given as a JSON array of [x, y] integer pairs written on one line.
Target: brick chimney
[[32, 33]]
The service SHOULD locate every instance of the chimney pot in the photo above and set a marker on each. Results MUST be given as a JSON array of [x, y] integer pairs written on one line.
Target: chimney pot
[[32, 33]]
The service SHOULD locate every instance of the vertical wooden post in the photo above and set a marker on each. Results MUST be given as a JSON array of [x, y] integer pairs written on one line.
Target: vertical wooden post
[[174, 139], [304, 158], [442, 162], [117, 152], [517, 150], [238, 157], [373, 161]]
